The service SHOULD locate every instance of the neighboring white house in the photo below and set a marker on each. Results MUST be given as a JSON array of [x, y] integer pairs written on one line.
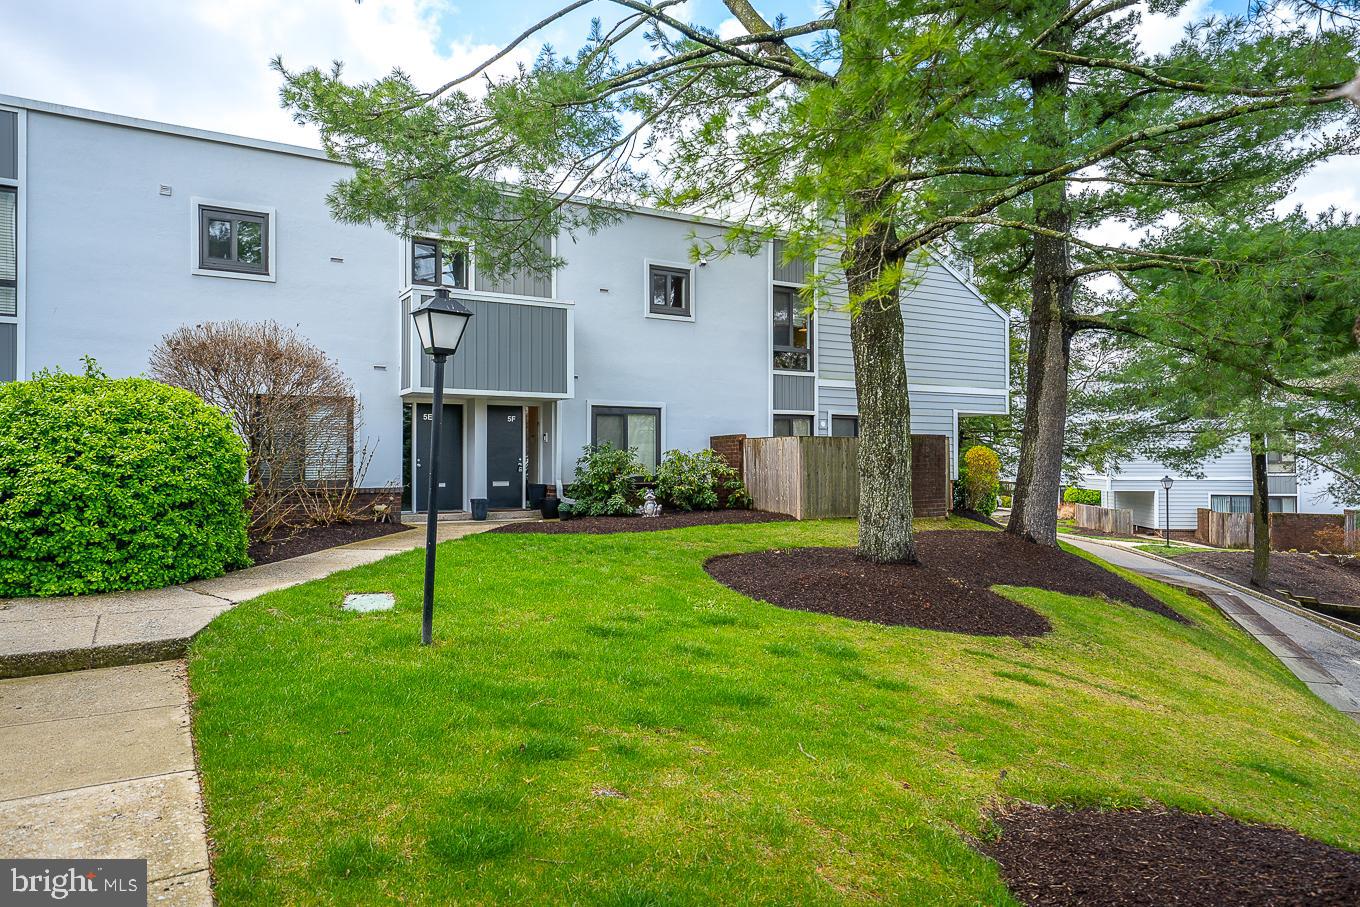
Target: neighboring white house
[[115, 231], [1225, 486]]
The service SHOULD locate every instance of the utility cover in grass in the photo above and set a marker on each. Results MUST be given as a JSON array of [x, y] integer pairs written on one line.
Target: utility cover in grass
[[364, 602]]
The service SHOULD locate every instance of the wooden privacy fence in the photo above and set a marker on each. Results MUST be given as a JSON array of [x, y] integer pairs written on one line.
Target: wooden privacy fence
[[812, 478], [1353, 531], [1105, 519], [1223, 530]]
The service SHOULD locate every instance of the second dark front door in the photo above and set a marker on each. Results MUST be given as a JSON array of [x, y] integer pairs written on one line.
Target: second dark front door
[[505, 456]]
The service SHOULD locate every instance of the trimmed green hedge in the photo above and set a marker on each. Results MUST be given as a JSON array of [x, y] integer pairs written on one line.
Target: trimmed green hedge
[[1082, 496], [110, 485]]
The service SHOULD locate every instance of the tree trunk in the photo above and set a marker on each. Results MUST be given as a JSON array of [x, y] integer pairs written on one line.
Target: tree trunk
[[1034, 512], [876, 334], [1260, 514]]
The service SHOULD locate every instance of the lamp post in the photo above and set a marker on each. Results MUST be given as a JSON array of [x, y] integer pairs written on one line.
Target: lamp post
[[1167, 482], [440, 324]]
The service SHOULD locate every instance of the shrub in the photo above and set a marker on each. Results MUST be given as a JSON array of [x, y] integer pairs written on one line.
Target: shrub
[[699, 481], [1081, 496], [978, 480], [1005, 500], [606, 482], [294, 408], [110, 485]]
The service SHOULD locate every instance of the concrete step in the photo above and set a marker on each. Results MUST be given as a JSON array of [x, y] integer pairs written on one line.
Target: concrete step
[[502, 516]]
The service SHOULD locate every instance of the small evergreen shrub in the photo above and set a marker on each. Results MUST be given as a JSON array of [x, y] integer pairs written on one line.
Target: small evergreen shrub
[[110, 485], [606, 482], [978, 480], [1082, 496], [699, 481]]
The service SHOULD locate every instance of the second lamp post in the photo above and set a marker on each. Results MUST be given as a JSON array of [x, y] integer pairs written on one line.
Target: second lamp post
[[440, 324]]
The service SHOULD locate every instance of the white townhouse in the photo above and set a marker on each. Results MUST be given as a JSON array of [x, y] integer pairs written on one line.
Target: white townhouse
[[114, 231], [1224, 486]]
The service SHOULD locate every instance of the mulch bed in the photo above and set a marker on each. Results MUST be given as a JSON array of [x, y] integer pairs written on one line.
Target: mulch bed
[[1328, 578], [1122, 858], [950, 590], [605, 525], [318, 538]]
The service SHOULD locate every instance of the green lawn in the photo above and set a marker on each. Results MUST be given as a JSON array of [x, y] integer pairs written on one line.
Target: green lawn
[[1174, 550], [761, 755]]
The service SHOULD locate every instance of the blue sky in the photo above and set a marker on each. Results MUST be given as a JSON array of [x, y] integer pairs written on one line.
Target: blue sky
[[205, 63]]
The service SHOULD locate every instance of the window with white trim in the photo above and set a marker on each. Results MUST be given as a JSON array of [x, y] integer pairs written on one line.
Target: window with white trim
[[670, 291], [233, 240], [792, 331], [9, 252], [792, 425], [1230, 503], [624, 427]]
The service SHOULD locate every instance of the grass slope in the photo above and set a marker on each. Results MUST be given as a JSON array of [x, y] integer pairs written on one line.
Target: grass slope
[[600, 722]]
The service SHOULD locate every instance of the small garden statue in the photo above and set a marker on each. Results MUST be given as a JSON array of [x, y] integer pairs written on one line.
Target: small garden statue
[[649, 506]]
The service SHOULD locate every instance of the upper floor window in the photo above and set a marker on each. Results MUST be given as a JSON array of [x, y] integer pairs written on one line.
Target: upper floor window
[[792, 332], [1282, 461], [233, 240], [439, 262], [670, 291], [9, 252]]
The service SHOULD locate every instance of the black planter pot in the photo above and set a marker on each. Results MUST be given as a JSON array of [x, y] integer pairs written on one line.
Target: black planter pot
[[479, 508], [550, 507], [536, 493]]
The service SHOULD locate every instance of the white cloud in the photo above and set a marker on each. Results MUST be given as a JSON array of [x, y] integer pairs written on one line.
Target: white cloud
[[207, 64], [730, 28], [1157, 33]]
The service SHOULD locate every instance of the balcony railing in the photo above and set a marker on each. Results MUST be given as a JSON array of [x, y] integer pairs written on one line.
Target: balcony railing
[[514, 347]]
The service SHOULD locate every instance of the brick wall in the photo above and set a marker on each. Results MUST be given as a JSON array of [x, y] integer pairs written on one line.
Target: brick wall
[[365, 498], [729, 448], [931, 493], [1308, 532]]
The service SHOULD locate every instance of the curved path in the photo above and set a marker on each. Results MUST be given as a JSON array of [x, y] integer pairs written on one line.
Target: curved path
[[1328, 662]]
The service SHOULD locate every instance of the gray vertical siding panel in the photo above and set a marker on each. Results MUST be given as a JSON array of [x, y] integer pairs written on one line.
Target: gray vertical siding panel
[[509, 347], [788, 272], [521, 281], [794, 393], [9, 145], [9, 351], [952, 337]]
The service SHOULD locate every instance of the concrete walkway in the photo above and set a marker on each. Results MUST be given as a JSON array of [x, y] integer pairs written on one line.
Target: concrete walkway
[[99, 764], [49, 635], [1326, 661]]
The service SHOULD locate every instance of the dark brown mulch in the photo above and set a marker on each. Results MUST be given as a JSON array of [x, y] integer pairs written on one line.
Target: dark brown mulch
[[1132, 858], [950, 590], [977, 517], [1328, 578], [674, 519], [318, 538]]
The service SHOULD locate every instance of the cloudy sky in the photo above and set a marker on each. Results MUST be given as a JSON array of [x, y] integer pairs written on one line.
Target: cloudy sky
[[205, 63]]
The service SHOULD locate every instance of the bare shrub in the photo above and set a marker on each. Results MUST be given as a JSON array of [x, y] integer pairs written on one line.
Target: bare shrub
[[292, 405]]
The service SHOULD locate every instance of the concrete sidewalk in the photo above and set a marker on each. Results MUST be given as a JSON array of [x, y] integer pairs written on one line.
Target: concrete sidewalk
[[1327, 662], [50, 635], [99, 764]]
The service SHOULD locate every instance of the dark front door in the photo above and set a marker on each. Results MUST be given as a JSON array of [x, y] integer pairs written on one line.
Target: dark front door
[[450, 492], [505, 456]]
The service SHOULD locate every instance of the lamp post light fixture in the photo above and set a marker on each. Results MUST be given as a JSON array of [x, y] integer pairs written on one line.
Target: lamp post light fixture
[[1167, 482], [440, 324]]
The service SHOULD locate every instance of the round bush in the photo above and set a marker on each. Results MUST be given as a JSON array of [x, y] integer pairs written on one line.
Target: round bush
[[1082, 496], [112, 485]]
